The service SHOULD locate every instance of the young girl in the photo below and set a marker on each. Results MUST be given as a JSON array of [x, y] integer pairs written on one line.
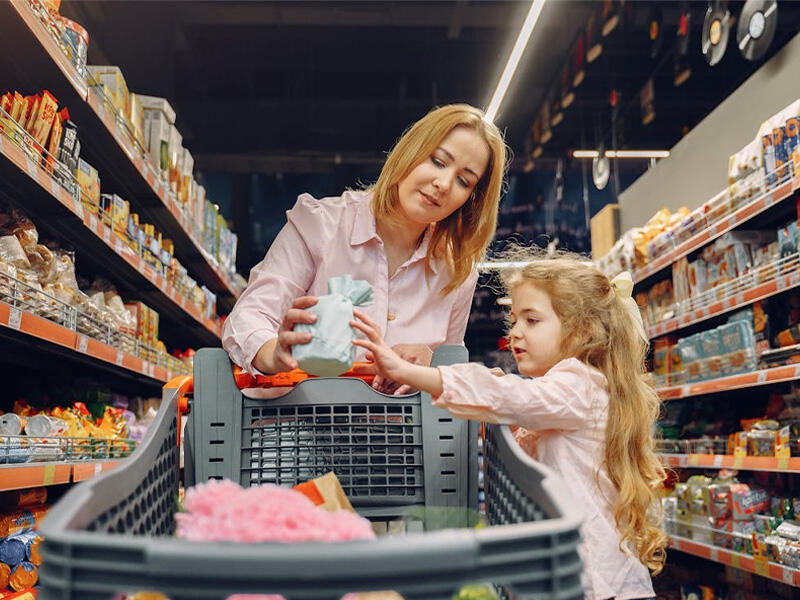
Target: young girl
[[588, 414], [415, 236]]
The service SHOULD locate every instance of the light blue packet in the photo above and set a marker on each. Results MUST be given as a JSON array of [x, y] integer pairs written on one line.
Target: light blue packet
[[330, 351]]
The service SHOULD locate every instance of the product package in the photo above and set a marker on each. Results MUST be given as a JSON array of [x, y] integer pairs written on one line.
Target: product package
[[330, 351]]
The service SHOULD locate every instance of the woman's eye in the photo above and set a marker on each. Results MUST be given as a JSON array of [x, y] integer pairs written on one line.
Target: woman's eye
[[437, 162], [463, 182]]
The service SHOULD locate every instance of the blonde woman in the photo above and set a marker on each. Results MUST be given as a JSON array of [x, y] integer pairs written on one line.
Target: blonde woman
[[587, 413], [415, 236]]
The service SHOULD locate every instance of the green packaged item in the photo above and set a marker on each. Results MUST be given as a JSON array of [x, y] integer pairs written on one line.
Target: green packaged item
[[330, 351]]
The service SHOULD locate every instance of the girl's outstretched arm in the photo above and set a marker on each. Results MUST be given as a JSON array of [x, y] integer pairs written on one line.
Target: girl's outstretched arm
[[388, 364]]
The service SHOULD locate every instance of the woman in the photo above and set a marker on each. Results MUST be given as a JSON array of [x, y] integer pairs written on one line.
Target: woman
[[415, 236]]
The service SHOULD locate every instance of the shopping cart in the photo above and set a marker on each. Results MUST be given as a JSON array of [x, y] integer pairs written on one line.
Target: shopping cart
[[393, 456]]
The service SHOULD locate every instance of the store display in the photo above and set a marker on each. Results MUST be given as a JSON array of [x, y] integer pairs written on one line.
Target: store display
[[716, 31], [756, 28]]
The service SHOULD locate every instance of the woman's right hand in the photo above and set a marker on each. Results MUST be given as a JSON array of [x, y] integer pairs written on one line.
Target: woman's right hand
[[276, 355]]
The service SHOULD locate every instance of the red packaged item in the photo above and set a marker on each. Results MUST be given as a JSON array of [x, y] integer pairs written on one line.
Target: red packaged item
[[746, 501]]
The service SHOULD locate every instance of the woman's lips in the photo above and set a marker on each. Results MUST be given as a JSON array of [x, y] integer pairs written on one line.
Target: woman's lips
[[429, 199]]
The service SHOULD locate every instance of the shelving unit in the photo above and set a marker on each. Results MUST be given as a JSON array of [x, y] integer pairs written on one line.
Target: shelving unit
[[713, 231], [33, 60], [737, 560], [15, 477], [729, 461], [731, 382], [103, 142], [765, 281]]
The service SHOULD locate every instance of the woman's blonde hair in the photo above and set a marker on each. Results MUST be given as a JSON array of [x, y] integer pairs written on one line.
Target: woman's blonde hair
[[462, 238], [598, 331]]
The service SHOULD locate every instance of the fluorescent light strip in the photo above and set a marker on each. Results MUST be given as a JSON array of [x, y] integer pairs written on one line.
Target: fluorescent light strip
[[622, 153], [487, 266], [504, 301], [513, 59], [637, 153]]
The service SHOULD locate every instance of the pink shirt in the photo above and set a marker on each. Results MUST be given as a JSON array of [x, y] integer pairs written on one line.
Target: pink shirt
[[562, 420], [337, 236]]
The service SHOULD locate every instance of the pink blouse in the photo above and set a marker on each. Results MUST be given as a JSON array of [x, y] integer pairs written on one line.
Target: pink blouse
[[562, 419], [337, 236]]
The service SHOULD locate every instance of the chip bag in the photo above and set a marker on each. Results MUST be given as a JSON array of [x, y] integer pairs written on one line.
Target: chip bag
[[330, 351]]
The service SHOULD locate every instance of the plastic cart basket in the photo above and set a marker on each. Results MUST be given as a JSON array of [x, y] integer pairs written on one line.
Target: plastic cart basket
[[114, 533]]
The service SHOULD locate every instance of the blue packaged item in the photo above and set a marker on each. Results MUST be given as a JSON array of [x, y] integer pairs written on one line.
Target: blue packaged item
[[330, 351], [711, 354]]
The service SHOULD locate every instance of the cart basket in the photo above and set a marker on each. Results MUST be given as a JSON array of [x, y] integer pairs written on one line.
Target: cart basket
[[115, 532]]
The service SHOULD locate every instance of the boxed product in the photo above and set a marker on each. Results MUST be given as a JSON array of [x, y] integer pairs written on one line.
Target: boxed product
[[711, 354], [115, 212], [89, 182], [158, 118], [140, 313], [737, 347], [113, 83], [604, 228], [136, 120], [691, 357]]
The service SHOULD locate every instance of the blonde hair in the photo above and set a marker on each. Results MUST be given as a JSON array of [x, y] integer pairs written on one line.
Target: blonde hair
[[598, 331], [461, 238]]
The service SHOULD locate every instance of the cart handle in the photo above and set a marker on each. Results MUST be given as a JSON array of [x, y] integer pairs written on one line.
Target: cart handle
[[185, 385], [245, 380]]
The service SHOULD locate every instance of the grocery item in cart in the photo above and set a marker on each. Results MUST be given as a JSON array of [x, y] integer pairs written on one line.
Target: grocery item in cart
[[330, 351]]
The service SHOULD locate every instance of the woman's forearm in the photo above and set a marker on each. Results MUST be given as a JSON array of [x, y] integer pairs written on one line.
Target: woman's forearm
[[263, 360]]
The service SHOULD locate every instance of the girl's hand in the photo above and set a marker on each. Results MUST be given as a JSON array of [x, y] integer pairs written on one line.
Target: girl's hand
[[416, 354], [276, 355], [386, 362]]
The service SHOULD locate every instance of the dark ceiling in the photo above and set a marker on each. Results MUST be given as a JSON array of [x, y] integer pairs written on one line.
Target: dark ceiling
[[299, 86]]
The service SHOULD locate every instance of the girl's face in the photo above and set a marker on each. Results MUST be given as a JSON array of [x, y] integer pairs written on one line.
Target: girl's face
[[536, 334], [443, 182]]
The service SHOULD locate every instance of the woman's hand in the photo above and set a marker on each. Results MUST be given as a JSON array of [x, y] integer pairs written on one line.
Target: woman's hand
[[276, 355]]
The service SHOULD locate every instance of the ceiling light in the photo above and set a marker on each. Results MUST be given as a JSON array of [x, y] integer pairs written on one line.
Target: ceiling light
[[489, 265], [513, 59], [637, 153], [622, 153]]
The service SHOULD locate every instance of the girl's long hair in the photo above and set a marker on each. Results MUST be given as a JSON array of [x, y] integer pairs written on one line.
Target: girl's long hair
[[462, 238], [598, 331]]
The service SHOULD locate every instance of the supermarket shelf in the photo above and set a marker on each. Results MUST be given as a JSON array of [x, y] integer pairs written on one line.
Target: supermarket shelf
[[745, 213], [77, 345], [30, 61], [15, 477], [729, 461], [85, 470], [39, 190], [737, 560], [731, 382], [50, 47], [789, 279]]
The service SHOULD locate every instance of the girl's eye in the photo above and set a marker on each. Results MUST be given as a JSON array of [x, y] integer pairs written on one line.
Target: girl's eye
[[532, 321]]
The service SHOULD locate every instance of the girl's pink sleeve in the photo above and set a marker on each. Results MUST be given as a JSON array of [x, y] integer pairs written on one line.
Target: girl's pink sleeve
[[560, 399]]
